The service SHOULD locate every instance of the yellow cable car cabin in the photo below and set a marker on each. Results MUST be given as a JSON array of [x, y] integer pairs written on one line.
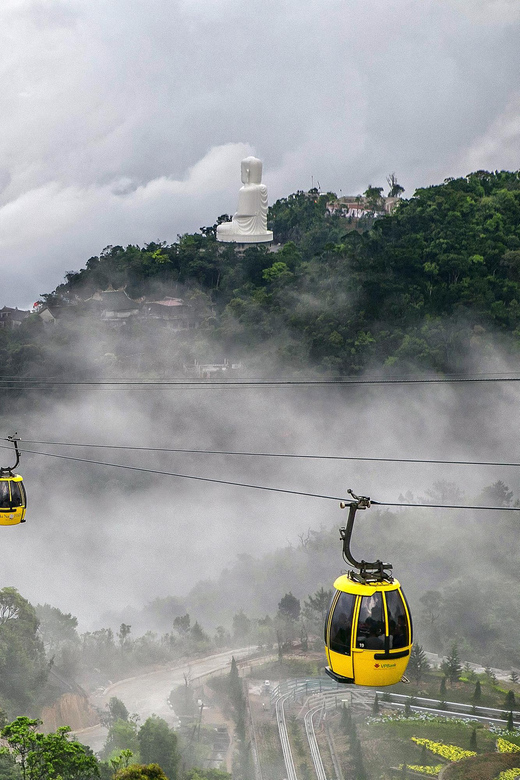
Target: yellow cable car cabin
[[368, 629], [368, 633], [13, 499]]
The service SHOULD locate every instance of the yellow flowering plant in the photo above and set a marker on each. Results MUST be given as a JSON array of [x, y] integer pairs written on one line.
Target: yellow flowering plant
[[504, 746], [450, 752], [432, 771]]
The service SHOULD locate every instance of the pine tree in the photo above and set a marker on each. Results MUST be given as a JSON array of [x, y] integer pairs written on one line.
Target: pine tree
[[510, 700], [418, 664], [359, 767], [477, 693], [468, 671], [375, 706], [514, 677], [346, 719], [407, 708], [510, 722], [452, 666], [235, 684], [473, 740], [491, 675], [443, 688]]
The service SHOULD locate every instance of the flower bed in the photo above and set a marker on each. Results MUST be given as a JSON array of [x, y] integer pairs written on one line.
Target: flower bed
[[450, 752], [504, 746], [432, 771]]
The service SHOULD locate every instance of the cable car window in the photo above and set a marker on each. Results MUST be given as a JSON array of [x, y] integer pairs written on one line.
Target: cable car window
[[371, 623], [16, 496], [23, 494], [334, 593], [5, 501], [341, 626], [397, 620]]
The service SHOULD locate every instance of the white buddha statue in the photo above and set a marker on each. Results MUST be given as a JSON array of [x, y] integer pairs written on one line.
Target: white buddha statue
[[249, 225]]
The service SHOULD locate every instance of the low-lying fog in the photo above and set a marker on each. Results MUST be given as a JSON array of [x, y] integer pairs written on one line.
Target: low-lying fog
[[98, 539]]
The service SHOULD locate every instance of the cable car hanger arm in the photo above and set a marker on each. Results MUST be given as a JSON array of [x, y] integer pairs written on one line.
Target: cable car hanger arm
[[9, 469], [368, 570]]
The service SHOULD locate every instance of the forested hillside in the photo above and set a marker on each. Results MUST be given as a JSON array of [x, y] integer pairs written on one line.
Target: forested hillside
[[413, 290]]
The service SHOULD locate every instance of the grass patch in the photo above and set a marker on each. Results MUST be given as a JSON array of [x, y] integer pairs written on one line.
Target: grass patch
[[452, 733], [492, 695], [486, 767], [286, 669], [300, 748], [269, 751]]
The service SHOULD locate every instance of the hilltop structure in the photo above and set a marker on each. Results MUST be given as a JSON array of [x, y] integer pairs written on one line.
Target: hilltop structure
[[116, 308], [12, 318], [358, 206], [249, 224]]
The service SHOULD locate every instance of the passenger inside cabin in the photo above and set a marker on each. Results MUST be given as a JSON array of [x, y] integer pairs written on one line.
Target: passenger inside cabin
[[5, 501], [374, 640]]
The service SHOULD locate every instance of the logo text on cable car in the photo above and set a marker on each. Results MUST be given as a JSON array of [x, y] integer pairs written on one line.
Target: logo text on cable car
[[384, 666]]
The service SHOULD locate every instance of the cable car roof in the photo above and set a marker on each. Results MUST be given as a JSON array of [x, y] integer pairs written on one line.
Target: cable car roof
[[348, 585]]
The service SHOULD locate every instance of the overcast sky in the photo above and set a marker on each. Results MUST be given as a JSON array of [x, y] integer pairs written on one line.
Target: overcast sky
[[125, 121]]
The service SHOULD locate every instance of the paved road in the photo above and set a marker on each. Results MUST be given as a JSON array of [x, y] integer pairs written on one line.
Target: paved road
[[147, 694]]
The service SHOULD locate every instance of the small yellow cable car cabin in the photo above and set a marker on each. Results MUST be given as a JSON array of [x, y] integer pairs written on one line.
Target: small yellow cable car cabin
[[368, 629], [13, 499], [368, 633]]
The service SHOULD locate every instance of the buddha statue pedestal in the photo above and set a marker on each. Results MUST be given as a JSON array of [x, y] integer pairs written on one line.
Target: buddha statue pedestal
[[249, 224]]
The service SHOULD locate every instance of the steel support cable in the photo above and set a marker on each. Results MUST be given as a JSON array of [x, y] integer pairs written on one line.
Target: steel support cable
[[261, 487], [296, 456], [280, 378], [182, 476], [37, 384]]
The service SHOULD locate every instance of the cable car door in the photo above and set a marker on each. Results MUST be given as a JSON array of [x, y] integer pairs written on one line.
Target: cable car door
[[369, 640], [339, 634], [382, 644]]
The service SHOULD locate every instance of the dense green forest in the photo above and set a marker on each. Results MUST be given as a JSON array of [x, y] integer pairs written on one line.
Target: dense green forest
[[417, 289], [30, 754]]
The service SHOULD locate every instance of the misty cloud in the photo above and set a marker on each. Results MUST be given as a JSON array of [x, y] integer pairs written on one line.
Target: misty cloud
[[45, 226], [101, 539], [501, 139]]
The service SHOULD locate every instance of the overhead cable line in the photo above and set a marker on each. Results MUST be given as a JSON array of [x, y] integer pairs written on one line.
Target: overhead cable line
[[276, 454], [499, 375], [39, 384], [260, 487]]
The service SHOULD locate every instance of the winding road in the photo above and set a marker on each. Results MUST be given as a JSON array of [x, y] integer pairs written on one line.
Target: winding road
[[147, 694]]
